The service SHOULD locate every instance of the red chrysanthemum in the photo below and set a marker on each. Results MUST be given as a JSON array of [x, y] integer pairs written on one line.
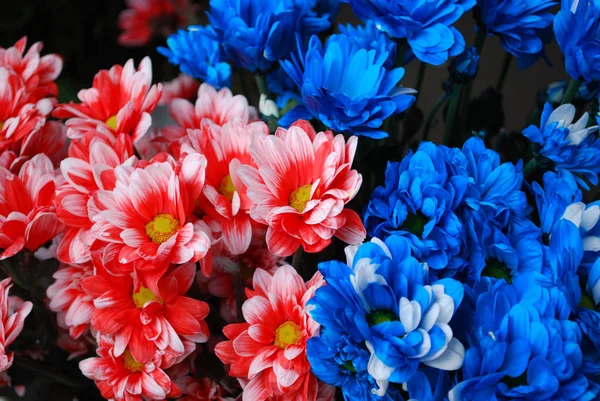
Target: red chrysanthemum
[[149, 213], [27, 213], [69, 300], [267, 353], [144, 19], [120, 101], [37, 72], [184, 87], [145, 316], [300, 188], [11, 324], [121, 377], [88, 169]]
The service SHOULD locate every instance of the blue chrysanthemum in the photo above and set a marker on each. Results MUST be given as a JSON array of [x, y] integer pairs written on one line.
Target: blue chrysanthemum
[[197, 54], [370, 38], [577, 30], [586, 218], [566, 144], [464, 67], [382, 299], [327, 80], [419, 201], [256, 33], [520, 24], [425, 24], [523, 347]]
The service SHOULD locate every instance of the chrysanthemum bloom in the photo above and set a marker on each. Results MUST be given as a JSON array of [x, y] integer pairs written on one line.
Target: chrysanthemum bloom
[[27, 213], [300, 187], [198, 54], [577, 32], [326, 78], [11, 323], [586, 219], [148, 316], [120, 101], [20, 113], [224, 198], [255, 34], [268, 351], [37, 72], [149, 212], [88, 169], [519, 24], [49, 140], [120, 377], [523, 346], [68, 298], [419, 201], [384, 301], [426, 25], [566, 144], [184, 87], [144, 19], [218, 106]]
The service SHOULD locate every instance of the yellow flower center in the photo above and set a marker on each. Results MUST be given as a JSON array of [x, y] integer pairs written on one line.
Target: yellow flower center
[[286, 334], [144, 295], [130, 363], [162, 227], [300, 197], [226, 187], [112, 122], [1, 124]]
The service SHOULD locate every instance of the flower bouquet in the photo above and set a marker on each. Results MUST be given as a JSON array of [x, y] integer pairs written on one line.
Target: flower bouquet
[[301, 230]]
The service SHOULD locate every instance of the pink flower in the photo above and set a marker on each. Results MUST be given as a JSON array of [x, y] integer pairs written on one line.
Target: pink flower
[[149, 316], [219, 107], [88, 169], [268, 352], [145, 19], [37, 73], [184, 87], [120, 101], [121, 377], [69, 300], [224, 197], [11, 323], [300, 188], [20, 113], [27, 213], [149, 213]]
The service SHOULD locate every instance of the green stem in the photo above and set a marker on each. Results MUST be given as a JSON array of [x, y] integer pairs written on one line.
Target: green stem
[[38, 368], [530, 167], [480, 40], [401, 47], [452, 109], [243, 82], [436, 107], [571, 91], [238, 288], [420, 78], [504, 72], [261, 84]]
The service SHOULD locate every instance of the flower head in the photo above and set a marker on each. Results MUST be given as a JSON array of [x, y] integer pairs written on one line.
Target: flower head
[[27, 213], [144, 19], [268, 351], [148, 316], [420, 201], [148, 213], [523, 346], [68, 298], [198, 54], [255, 34], [184, 87], [300, 188], [464, 67], [566, 144], [577, 32], [426, 25], [519, 24], [120, 377], [120, 101], [326, 78], [11, 323], [382, 299]]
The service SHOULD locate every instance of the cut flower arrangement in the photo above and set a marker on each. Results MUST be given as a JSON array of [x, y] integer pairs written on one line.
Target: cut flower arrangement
[[301, 230]]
